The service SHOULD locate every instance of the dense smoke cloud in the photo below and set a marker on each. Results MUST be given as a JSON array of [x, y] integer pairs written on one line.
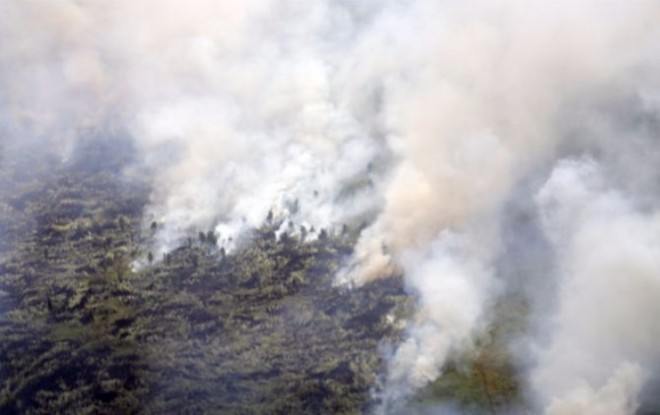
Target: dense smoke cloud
[[418, 120], [609, 261]]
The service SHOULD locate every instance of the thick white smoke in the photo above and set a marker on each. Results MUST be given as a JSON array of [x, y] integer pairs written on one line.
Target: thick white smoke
[[480, 112], [233, 106], [606, 332], [418, 118]]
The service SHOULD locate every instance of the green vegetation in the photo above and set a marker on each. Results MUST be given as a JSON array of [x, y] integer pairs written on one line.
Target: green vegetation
[[262, 329], [483, 381]]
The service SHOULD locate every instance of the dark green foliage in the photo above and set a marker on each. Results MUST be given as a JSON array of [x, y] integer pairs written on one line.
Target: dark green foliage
[[484, 380], [211, 238], [122, 224], [260, 330], [62, 302]]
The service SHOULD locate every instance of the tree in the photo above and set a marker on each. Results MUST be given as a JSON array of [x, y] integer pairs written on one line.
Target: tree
[[122, 223], [295, 207], [121, 265], [211, 238], [285, 238]]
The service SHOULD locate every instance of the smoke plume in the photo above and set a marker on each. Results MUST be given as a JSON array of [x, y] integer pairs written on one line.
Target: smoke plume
[[414, 123]]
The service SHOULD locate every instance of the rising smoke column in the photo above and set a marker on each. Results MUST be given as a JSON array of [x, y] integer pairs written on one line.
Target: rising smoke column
[[484, 113], [418, 118], [606, 336]]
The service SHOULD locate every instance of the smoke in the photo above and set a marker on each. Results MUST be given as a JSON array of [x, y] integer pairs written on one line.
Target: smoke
[[609, 261], [614, 397], [415, 122], [440, 326], [231, 106], [488, 109]]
